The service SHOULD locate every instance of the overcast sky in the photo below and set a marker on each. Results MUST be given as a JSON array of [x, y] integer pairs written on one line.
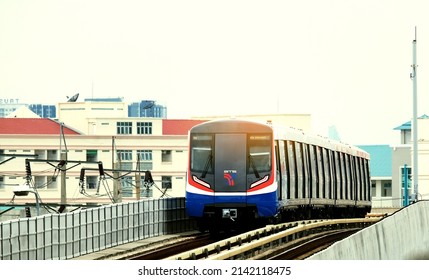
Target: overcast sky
[[347, 63]]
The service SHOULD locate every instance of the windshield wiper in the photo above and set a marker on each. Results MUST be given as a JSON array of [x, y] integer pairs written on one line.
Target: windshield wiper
[[207, 166], [252, 165]]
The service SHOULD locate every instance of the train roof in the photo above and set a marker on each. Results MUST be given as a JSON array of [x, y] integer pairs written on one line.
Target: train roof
[[288, 133], [284, 133], [231, 126]]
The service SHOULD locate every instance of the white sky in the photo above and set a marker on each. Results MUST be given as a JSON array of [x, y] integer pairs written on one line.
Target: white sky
[[347, 63]]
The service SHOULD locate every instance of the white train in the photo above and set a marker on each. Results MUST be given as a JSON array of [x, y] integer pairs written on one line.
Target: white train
[[240, 172]]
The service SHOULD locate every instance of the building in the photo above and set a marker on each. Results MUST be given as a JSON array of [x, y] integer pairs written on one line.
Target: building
[[144, 108], [9, 105], [161, 150], [391, 167], [100, 133], [381, 175], [44, 111], [147, 109]]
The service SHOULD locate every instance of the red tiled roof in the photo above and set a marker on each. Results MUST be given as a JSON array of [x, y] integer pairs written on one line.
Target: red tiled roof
[[178, 127], [32, 126]]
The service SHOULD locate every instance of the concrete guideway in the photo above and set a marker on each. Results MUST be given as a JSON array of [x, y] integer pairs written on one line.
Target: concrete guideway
[[400, 236]]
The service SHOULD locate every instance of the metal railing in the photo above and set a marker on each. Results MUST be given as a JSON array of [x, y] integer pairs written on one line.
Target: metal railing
[[69, 235]]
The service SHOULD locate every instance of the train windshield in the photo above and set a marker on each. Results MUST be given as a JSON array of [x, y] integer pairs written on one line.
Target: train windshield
[[201, 154], [259, 154]]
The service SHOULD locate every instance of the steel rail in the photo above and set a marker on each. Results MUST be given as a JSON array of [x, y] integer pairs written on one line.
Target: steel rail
[[245, 245]]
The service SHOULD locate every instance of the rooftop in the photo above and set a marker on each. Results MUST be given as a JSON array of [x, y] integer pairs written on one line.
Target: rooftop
[[178, 127], [32, 126], [407, 125], [381, 159]]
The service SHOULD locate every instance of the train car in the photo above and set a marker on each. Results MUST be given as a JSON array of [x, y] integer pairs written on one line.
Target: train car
[[241, 173]]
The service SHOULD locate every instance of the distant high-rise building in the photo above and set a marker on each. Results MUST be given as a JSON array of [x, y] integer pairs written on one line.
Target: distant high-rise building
[[8, 106], [44, 111], [147, 108]]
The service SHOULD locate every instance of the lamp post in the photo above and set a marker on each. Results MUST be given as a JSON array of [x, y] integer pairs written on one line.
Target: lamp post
[[413, 76]]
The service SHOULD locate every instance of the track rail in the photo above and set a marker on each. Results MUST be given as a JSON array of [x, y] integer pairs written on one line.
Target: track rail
[[166, 250], [253, 243], [306, 248]]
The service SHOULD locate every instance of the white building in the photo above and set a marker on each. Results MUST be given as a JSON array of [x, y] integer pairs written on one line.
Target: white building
[[160, 146], [423, 157]]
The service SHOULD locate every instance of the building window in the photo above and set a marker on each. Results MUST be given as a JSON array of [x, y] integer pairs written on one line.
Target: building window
[[144, 128], [125, 155], [145, 155], [52, 182], [127, 186], [91, 155], [373, 189], [166, 182], [145, 159], [387, 189], [1, 182], [52, 154], [166, 156], [91, 182], [124, 127]]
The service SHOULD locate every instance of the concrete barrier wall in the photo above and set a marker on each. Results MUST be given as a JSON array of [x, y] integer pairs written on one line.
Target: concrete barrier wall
[[401, 236], [69, 235]]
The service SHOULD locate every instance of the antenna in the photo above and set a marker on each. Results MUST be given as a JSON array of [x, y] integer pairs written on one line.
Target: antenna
[[73, 98]]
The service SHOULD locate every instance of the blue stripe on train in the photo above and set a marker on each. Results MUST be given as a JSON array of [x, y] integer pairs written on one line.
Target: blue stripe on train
[[266, 204]]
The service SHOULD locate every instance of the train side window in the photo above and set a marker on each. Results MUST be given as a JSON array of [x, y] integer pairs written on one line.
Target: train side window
[[348, 181], [360, 177], [331, 174], [283, 168], [337, 175], [299, 168], [353, 177], [321, 186], [292, 170], [305, 171], [357, 178], [343, 175], [313, 171], [327, 173]]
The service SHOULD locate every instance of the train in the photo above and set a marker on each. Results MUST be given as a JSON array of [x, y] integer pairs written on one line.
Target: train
[[244, 173]]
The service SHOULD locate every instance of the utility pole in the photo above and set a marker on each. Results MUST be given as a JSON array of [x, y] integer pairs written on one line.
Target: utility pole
[[117, 197], [63, 158], [413, 76], [138, 179], [63, 178]]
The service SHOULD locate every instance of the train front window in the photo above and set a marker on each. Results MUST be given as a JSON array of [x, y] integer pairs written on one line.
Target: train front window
[[259, 154], [201, 154]]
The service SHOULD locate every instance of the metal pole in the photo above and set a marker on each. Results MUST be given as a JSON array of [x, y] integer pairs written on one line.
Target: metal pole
[[405, 203], [414, 127], [64, 179]]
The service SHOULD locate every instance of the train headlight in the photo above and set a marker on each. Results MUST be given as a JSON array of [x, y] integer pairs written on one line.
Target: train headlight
[[201, 182], [259, 182]]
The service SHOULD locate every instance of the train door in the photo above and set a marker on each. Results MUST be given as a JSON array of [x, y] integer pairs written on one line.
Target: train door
[[230, 167]]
